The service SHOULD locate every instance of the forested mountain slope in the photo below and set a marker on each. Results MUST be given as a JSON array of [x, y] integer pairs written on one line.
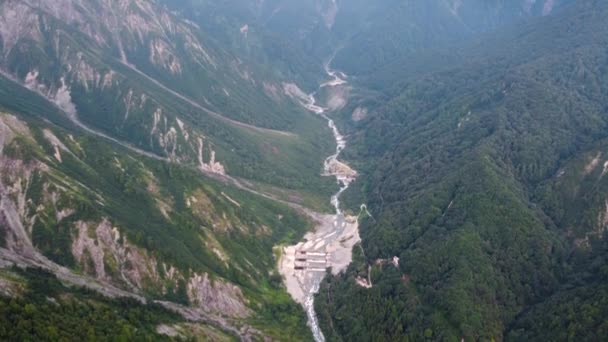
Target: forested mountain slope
[[375, 41], [155, 155], [365, 34], [263, 32], [397, 31], [486, 180]]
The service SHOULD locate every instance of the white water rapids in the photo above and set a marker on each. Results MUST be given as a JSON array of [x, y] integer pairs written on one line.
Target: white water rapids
[[338, 227]]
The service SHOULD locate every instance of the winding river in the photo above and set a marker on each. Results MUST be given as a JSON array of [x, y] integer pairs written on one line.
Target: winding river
[[330, 245]]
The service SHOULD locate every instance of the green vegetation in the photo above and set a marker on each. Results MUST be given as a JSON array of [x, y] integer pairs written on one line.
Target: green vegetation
[[462, 171], [578, 314], [173, 212], [168, 214], [124, 106], [483, 159], [281, 309], [48, 311], [266, 41], [397, 38]]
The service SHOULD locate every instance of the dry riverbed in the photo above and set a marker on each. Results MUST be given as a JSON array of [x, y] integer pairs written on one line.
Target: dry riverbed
[[303, 265]]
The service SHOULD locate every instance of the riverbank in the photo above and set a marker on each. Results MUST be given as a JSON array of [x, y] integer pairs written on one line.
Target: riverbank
[[304, 265]]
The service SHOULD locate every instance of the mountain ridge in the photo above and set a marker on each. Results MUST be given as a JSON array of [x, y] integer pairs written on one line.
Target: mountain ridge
[[159, 158], [459, 190]]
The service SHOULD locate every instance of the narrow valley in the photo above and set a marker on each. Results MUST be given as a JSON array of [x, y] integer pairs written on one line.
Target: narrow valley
[[303, 170], [304, 265]]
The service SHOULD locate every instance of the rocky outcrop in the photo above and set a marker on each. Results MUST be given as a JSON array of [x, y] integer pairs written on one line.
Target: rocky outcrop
[[211, 166], [115, 30], [359, 114], [217, 296], [292, 90], [160, 54], [103, 252], [98, 247], [340, 169], [15, 177], [118, 25]]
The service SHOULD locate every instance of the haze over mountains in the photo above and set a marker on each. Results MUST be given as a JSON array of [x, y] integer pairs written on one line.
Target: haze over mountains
[[156, 156]]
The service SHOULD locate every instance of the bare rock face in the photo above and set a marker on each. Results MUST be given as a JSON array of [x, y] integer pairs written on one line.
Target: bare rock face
[[102, 252], [9, 127], [547, 6], [101, 247], [340, 169], [15, 177], [118, 25], [211, 166], [85, 243], [216, 296], [328, 10], [359, 114], [116, 31]]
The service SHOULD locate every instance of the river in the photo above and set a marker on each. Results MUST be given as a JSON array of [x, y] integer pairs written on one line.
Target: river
[[304, 265]]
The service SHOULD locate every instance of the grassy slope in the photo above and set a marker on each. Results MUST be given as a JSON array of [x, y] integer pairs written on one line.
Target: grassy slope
[[291, 162], [120, 179]]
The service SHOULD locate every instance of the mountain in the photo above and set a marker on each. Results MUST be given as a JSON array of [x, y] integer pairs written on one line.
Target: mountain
[[163, 163], [249, 29], [111, 64], [374, 42], [364, 35], [485, 182], [398, 30], [145, 164]]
